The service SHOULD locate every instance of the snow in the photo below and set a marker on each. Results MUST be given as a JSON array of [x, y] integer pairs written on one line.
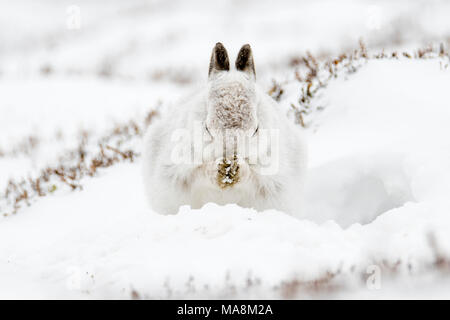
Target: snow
[[56, 110], [378, 177], [120, 36], [386, 143], [385, 186]]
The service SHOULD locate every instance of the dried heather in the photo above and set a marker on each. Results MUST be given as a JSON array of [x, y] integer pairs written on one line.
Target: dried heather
[[117, 145], [314, 74]]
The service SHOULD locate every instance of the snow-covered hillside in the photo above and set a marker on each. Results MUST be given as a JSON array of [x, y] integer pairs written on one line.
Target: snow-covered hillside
[[379, 169], [375, 218]]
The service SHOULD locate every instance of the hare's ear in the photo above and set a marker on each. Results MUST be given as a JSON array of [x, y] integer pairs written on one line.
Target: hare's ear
[[219, 59], [244, 61]]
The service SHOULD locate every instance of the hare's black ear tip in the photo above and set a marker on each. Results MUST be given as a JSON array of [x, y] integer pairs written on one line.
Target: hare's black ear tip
[[244, 60], [219, 59], [219, 47], [246, 47]]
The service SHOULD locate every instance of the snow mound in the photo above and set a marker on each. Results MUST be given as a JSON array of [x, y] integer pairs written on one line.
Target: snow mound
[[379, 143]]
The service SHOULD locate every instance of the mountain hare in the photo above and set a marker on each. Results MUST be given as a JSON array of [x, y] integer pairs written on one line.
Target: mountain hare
[[230, 143]]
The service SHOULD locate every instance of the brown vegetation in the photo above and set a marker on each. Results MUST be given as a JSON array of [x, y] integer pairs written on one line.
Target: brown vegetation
[[85, 160]]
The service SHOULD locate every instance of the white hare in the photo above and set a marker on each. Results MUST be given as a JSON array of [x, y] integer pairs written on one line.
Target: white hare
[[230, 143]]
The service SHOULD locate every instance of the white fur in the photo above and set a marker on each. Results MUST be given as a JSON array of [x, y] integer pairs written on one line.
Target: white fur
[[231, 100]]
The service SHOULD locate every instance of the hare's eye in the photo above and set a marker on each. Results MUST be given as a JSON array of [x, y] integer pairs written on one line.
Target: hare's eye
[[256, 131]]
